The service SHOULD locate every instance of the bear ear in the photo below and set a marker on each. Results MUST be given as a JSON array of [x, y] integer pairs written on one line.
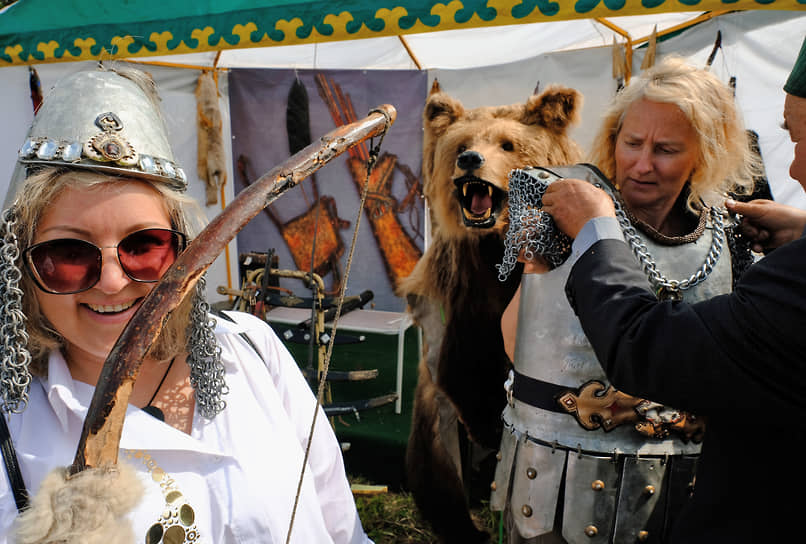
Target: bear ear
[[556, 108], [440, 111]]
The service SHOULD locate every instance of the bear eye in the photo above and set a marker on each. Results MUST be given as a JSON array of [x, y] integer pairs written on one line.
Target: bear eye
[[507, 146], [461, 149]]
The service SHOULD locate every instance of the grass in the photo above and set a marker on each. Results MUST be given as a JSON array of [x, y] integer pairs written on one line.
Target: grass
[[378, 440], [392, 518]]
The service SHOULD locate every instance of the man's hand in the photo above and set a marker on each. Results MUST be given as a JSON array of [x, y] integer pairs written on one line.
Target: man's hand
[[768, 224], [573, 202]]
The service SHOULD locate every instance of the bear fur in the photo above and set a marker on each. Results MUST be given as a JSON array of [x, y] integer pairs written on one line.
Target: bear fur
[[454, 294]]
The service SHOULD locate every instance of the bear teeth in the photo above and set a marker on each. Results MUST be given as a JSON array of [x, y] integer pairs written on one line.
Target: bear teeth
[[473, 217]]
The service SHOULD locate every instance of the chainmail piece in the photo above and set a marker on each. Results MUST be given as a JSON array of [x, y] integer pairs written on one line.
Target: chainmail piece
[[534, 232], [204, 357], [530, 229], [15, 376]]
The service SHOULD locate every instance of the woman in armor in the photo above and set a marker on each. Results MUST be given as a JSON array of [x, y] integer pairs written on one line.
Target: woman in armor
[[581, 461]]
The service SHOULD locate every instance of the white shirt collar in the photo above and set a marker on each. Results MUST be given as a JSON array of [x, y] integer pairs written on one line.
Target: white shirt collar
[[65, 394], [70, 399]]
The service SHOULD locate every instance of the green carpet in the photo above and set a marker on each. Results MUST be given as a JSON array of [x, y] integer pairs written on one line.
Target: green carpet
[[378, 437]]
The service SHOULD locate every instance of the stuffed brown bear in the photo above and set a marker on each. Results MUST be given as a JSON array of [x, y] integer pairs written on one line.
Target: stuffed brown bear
[[454, 293]]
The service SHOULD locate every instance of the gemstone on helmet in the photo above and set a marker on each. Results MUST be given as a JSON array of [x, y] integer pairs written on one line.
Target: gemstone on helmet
[[147, 164], [47, 150], [168, 169], [111, 150], [72, 152], [28, 148]]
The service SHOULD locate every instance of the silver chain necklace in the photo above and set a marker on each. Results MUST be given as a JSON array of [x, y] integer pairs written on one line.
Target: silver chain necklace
[[664, 287]]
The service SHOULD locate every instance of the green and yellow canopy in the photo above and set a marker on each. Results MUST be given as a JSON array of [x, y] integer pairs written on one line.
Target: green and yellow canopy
[[36, 31]]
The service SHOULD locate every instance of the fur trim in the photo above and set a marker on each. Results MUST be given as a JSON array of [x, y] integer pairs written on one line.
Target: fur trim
[[88, 508], [211, 163]]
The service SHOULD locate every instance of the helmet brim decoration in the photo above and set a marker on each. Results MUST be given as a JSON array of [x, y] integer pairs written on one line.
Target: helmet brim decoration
[[116, 127]]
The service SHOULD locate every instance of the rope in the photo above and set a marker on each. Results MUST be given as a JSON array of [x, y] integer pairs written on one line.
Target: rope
[[373, 156]]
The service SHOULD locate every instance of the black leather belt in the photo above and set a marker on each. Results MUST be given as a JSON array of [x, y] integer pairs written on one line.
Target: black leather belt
[[538, 393]]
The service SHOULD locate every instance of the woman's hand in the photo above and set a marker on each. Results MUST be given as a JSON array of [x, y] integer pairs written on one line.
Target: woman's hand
[[573, 202], [768, 224]]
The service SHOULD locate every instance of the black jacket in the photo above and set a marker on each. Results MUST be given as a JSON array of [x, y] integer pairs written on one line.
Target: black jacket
[[737, 359]]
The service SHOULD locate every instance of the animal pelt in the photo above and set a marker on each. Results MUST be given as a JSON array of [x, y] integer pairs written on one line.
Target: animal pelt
[[454, 293], [88, 508], [211, 159]]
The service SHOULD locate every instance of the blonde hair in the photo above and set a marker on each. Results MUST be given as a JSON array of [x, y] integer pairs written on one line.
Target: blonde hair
[[725, 162], [34, 196]]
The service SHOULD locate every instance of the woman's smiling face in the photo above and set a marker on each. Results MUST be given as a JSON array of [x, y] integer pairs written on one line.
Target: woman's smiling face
[[91, 321], [656, 151]]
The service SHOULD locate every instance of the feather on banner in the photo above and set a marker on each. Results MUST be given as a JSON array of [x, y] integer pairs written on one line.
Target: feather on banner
[[212, 165], [298, 123]]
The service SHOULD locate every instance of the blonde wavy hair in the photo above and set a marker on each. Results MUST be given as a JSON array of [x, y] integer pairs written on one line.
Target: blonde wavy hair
[[33, 197], [725, 161]]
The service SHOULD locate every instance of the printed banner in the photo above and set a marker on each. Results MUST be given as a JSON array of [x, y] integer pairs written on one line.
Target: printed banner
[[278, 112]]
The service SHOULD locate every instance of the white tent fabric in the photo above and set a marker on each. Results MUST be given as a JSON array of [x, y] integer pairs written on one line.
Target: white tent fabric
[[453, 49], [497, 65]]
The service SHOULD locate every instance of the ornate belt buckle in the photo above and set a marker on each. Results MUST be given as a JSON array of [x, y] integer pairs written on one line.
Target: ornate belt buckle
[[508, 386]]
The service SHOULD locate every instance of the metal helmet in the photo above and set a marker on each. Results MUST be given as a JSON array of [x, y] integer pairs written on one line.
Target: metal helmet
[[106, 120]]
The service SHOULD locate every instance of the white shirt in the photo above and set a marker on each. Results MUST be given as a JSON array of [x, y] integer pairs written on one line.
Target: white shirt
[[239, 471]]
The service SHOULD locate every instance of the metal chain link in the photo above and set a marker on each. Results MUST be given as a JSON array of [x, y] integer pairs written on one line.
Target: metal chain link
[[658, 281], [533, 232], [15, 376], [530, 229], [204, 356]]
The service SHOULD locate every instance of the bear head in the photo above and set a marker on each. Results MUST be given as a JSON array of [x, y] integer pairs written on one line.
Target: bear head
[[468, 154]]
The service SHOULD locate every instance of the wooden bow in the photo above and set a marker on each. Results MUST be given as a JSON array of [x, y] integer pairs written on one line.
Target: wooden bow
[[103, 426]]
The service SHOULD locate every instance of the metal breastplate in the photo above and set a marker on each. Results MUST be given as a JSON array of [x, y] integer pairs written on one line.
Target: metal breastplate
[[607, 494], [551, 347]]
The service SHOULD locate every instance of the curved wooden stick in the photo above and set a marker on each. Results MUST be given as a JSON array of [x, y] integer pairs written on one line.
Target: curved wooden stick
[[103, 426]]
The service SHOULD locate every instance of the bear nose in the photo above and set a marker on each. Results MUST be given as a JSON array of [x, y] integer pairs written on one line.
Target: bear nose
[[470, 160]]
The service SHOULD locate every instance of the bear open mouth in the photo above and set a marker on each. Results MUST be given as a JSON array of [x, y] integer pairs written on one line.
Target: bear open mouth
[[479, 200]]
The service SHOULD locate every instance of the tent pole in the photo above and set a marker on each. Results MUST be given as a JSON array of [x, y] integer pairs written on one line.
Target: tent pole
[[699, 19], [410, 52], [628, 47]]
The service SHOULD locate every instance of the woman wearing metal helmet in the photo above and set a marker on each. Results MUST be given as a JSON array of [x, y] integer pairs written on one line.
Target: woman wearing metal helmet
[[217, 426], [580, 460]]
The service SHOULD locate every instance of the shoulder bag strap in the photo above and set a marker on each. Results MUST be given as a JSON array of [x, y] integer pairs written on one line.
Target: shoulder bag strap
[[243, 335], [12, 466]]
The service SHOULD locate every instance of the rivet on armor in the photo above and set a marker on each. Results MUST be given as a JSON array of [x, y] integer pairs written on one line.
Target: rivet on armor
[[643, 536], [597, 485], [526, 510], [649, 490], [591, 531], [492, 486], [531, 473], [498, 456]]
